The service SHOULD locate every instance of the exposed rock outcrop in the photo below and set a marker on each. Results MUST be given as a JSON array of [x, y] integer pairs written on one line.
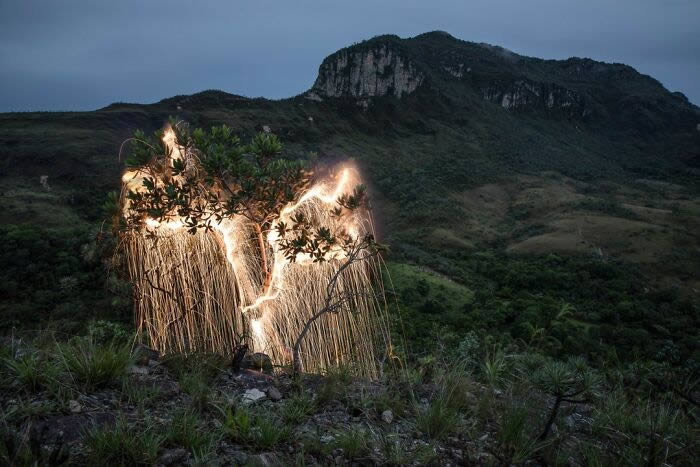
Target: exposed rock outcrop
[[521, 95], [373, 72]]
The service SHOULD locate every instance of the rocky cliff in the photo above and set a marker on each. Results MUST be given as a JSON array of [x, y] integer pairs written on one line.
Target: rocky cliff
[[611, 96], [367, 72]]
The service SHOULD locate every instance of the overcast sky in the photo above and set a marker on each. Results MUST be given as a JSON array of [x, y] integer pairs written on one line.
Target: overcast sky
[[83, 55]]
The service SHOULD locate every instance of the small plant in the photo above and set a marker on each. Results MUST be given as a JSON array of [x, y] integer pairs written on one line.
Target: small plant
[[94, 365], [196, 384], [108, 331], [123, 445], [186, 430], [297, 408], [515, 443], [354, 442], [656, 433], [259, 431], [438, 419], [495, 367], [335, 384], [139, 394], [397, 452], [571, 381], [31, 372]]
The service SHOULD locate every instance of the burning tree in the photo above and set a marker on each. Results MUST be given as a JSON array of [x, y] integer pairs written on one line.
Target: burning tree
[[208, 182]]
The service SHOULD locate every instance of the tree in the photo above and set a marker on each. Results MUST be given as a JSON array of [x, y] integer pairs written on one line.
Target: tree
[[204, 177], [213, 176]]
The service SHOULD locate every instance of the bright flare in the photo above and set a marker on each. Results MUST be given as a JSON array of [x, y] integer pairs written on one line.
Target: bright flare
[[203, 292]]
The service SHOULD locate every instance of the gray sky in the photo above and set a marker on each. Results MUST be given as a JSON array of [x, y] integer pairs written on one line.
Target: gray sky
[[82, 55]]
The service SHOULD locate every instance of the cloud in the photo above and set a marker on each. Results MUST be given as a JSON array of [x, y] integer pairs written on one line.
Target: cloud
[[84, 54]]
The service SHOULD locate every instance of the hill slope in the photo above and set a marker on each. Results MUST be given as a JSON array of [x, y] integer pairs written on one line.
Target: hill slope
[[476, 155]]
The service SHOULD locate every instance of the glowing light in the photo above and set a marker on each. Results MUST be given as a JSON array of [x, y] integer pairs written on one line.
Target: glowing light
[[204, 291]]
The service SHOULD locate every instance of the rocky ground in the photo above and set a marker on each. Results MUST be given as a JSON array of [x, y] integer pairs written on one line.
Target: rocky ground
[[199, 411]]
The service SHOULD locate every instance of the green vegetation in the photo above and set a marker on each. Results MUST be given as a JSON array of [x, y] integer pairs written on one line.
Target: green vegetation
[[121, 444], [258, 430], [543, 270], [94, 365]]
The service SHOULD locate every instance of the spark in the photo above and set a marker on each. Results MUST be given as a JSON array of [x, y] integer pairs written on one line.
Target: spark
[[203, 291]]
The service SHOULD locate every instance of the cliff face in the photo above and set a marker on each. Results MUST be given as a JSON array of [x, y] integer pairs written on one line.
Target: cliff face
[[363, 73], [612, 97], [525, 95]]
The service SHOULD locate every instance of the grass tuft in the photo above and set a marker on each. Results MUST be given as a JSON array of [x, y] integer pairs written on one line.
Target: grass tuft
[[121, 444], [94, 365]]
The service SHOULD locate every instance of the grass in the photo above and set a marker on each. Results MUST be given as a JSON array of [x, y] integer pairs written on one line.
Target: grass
[[438, 419], [257, 430], [140, 395], [395, 451], [187, 430], [94, 365], [196, 384], [297, 408], [335, 384], [122, 444], [355, 442], [32, 372], [516, 440]]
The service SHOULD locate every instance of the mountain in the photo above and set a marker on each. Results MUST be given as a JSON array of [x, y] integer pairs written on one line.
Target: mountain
[[490, 171], [542, 219]]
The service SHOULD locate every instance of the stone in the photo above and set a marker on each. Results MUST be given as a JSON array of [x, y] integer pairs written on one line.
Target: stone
[[137, 370], [143, 354], [266, 459], [274, 394], [266, 129], [172, 456], [258, 362], [252, 395], [387, 417], [325, 439], [74, 406]]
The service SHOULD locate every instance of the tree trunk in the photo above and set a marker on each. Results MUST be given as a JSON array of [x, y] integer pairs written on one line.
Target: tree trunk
[[552, 417], [263, 257]]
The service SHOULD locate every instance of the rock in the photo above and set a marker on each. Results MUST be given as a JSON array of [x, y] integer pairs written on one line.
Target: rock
[[266, 459], [274, 394], [325, 439], [367, 73], [252, 395], [266, 129], [74, 406], [142, 354], [258, 362], [137, 370], [172, 456], [387, 417], [239, 458]]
